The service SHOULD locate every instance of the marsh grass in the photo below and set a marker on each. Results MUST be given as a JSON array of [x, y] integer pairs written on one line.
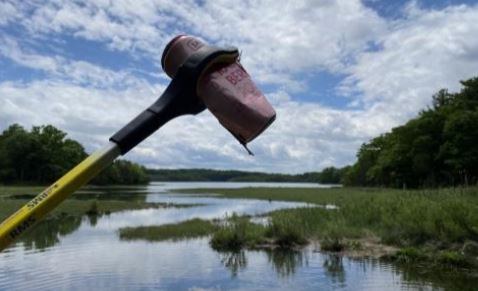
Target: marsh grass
[[404, 218], [425, 223], [237, 232], [432, 258], [287, 228], [176, 231]]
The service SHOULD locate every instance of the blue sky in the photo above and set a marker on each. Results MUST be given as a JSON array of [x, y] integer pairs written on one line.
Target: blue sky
[[337, 72]]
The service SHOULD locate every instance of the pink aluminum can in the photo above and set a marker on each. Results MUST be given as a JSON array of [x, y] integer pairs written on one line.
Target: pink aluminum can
[[226, 89]]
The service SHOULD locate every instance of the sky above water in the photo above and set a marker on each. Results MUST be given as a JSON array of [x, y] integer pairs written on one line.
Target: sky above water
[[337, 72]]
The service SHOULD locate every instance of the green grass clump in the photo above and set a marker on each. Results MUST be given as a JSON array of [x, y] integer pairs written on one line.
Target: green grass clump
[[93, 210], [177, 231], [332, 244], [409, 255], [236, 233], [286, 228], [445, 258], [453, 259]]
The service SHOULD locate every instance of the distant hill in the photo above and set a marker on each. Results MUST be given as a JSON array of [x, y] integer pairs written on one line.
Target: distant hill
[[329, 175]]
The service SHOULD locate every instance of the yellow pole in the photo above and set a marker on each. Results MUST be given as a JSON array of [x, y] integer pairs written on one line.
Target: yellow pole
[[46, 201]]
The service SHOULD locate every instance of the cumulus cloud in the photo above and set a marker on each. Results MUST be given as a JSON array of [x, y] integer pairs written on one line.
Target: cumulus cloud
[[60, 68], [391, 69], [422, 53], [277, 38], [89, 114]]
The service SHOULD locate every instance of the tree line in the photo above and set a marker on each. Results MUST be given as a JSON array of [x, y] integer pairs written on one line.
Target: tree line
[[437, 148], [43, 154], [330, 175]]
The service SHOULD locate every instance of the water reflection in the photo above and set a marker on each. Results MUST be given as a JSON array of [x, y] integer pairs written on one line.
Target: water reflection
[[93, 219], [285, 262], [48, 232], [334, 268], [234, 261], [449, 279], [109, 194]]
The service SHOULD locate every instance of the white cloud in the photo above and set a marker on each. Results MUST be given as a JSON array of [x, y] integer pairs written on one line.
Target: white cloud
[[88, 114], [78, 72], [412, 57], [9, 48], [422, 53], [278, 38], [8, 13]]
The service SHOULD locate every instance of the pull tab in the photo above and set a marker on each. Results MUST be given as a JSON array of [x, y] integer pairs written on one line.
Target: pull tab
[[247, 149]]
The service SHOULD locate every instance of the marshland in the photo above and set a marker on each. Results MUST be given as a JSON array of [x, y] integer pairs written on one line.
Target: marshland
[[228, 233]]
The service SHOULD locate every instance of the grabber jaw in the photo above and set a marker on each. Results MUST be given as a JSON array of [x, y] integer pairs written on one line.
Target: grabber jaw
[[227, 90], [203, 77], [180, 97]]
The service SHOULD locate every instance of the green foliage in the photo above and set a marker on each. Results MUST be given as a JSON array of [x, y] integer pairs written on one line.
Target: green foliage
[[44, 154], [122, 172], [38, 156], [438, 148]]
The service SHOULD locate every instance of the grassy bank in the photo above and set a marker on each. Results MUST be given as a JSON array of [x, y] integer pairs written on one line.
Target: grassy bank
[[187, 229], [437, 224]]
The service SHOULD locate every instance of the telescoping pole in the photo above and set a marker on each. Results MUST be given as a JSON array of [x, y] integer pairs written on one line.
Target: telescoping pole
[[47, 200]]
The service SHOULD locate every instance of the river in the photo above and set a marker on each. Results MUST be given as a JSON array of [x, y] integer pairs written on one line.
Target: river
[[87, 254]]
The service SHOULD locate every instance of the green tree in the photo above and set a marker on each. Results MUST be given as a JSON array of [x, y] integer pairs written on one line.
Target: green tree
[[437, 148], [460, 150], [44, 154], [16, 154], [330, 175]]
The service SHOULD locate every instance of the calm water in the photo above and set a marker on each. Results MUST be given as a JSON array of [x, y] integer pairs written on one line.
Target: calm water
[[82, 254]]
